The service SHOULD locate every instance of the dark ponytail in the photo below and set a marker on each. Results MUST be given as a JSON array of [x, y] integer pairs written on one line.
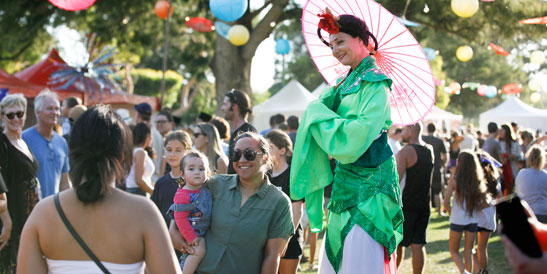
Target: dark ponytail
[[100, 150]]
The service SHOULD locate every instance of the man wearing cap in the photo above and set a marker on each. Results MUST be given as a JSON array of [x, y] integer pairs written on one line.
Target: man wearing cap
[[144, 114], [73, 115], [236, 107], [50, 149], [66, 106]]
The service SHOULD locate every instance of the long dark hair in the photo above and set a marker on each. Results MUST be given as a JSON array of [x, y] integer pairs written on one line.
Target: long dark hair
[[509, 136], [491, 172], [470, 186], [100, 146]]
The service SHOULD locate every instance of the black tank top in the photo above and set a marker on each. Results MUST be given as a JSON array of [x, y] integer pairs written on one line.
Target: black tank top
[[418, 181]]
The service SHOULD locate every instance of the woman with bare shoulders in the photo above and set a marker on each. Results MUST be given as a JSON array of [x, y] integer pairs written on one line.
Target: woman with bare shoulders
[[108, 221]]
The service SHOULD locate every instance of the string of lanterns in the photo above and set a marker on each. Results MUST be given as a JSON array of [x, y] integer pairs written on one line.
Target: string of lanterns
[[224, 10]]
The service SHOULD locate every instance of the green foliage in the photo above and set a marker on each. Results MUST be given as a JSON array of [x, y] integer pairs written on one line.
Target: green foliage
[[203, 102], [148, 82], [442, 30]]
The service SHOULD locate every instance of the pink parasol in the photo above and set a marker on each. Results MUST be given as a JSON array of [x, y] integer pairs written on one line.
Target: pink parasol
[[72, 5], [399, 55], [538, 20]]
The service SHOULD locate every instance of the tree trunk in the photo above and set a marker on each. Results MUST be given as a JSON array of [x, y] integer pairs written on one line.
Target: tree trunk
[[231, 70], [231, 65]]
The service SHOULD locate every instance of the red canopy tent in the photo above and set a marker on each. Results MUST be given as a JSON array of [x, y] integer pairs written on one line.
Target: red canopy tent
[[39, 74], [29, 90]]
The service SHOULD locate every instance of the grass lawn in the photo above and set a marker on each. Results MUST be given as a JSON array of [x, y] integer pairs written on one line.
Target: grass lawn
[[438, 258]]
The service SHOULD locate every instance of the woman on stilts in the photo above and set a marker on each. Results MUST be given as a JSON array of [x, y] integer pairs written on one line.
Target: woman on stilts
[[349, 122]]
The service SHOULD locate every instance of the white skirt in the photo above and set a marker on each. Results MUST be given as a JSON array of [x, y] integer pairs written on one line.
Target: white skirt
[[362, 254]]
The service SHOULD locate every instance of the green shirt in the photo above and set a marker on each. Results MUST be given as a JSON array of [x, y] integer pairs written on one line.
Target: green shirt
[[238, 234]]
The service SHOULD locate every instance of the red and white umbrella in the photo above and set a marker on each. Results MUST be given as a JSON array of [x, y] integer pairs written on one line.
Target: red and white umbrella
[[72, 5], [399, 55]]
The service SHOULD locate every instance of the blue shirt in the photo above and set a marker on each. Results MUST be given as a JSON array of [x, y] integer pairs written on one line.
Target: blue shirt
[[52, 157]]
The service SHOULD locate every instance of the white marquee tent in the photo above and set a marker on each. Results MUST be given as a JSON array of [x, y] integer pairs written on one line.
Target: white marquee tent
[[317, 91], [514, 110], [290, 100], [443, 119]]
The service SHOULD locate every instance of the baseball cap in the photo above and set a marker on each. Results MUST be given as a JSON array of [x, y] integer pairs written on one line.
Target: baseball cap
[[76, 112], [144, 108]]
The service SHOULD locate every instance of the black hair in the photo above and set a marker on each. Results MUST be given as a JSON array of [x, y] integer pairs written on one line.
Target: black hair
[[492, 127], [72, 101], [241, 99], [140, 131], [431, 127], [222, 126], [292, 122], [166, 114], [100, 147], [355, 27], [277, 119]]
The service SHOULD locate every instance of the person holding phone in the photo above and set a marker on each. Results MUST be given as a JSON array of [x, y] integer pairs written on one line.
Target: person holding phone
[[520, 262]]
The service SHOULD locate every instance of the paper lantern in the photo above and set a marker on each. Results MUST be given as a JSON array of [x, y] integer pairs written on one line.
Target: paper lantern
[[222, 29], [282, 46], [238, 35], [471, 85], [533, 85], [464, 8], [491, 91], [161, 8], [228, 10], [535, 97], [464, 53], [481, 90], [537, 57], [511, 89], [72, 5], [499, 50], [200, 24], [455, 87], [447, 90], [430, 53]]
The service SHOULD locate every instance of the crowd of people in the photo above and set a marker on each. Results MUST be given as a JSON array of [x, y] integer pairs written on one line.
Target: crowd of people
[[129, 195], [461, 174]]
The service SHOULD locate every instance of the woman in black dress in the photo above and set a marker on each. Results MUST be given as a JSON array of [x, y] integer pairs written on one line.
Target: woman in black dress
[[281, 152], [19, 168]]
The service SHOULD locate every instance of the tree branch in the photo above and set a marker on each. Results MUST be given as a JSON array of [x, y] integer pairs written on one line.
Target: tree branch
[[258, 11], [263, 29], [185, 100]]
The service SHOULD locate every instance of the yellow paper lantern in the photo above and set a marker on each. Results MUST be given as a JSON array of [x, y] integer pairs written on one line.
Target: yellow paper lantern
[[464, 8], [537, 57], [533, 84], [535, 97], [238, 35], [464, 53]]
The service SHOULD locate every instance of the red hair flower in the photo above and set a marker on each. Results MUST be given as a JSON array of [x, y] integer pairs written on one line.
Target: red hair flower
[[328, 22]]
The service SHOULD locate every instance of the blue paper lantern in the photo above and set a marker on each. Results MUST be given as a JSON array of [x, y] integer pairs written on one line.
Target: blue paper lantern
[[222, 29], [491, 92], [430, 53], [282, 46], [228, 10]]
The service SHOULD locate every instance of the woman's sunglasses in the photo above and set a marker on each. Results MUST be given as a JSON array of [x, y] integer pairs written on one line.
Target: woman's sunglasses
[[196, 135], [12, 115], [249, 154]]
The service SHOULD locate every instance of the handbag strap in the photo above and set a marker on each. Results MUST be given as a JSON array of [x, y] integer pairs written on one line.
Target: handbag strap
[[76, 236]]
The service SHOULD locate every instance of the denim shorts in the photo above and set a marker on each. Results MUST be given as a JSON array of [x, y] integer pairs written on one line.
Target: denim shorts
[[473, 227]]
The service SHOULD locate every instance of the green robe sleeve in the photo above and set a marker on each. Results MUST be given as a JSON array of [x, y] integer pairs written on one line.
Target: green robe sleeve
[[345, 135]]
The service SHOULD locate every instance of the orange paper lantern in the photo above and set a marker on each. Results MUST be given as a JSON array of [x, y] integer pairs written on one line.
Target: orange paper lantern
[[162, 8]]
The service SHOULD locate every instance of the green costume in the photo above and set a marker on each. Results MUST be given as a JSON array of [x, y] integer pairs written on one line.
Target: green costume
[[346, 122]]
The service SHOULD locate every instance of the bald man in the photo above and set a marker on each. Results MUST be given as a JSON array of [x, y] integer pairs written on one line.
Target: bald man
[[416, 160]]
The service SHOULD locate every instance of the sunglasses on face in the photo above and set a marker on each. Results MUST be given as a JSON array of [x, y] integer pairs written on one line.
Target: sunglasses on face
[[249, 154], [196, 135], [12, 115]]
